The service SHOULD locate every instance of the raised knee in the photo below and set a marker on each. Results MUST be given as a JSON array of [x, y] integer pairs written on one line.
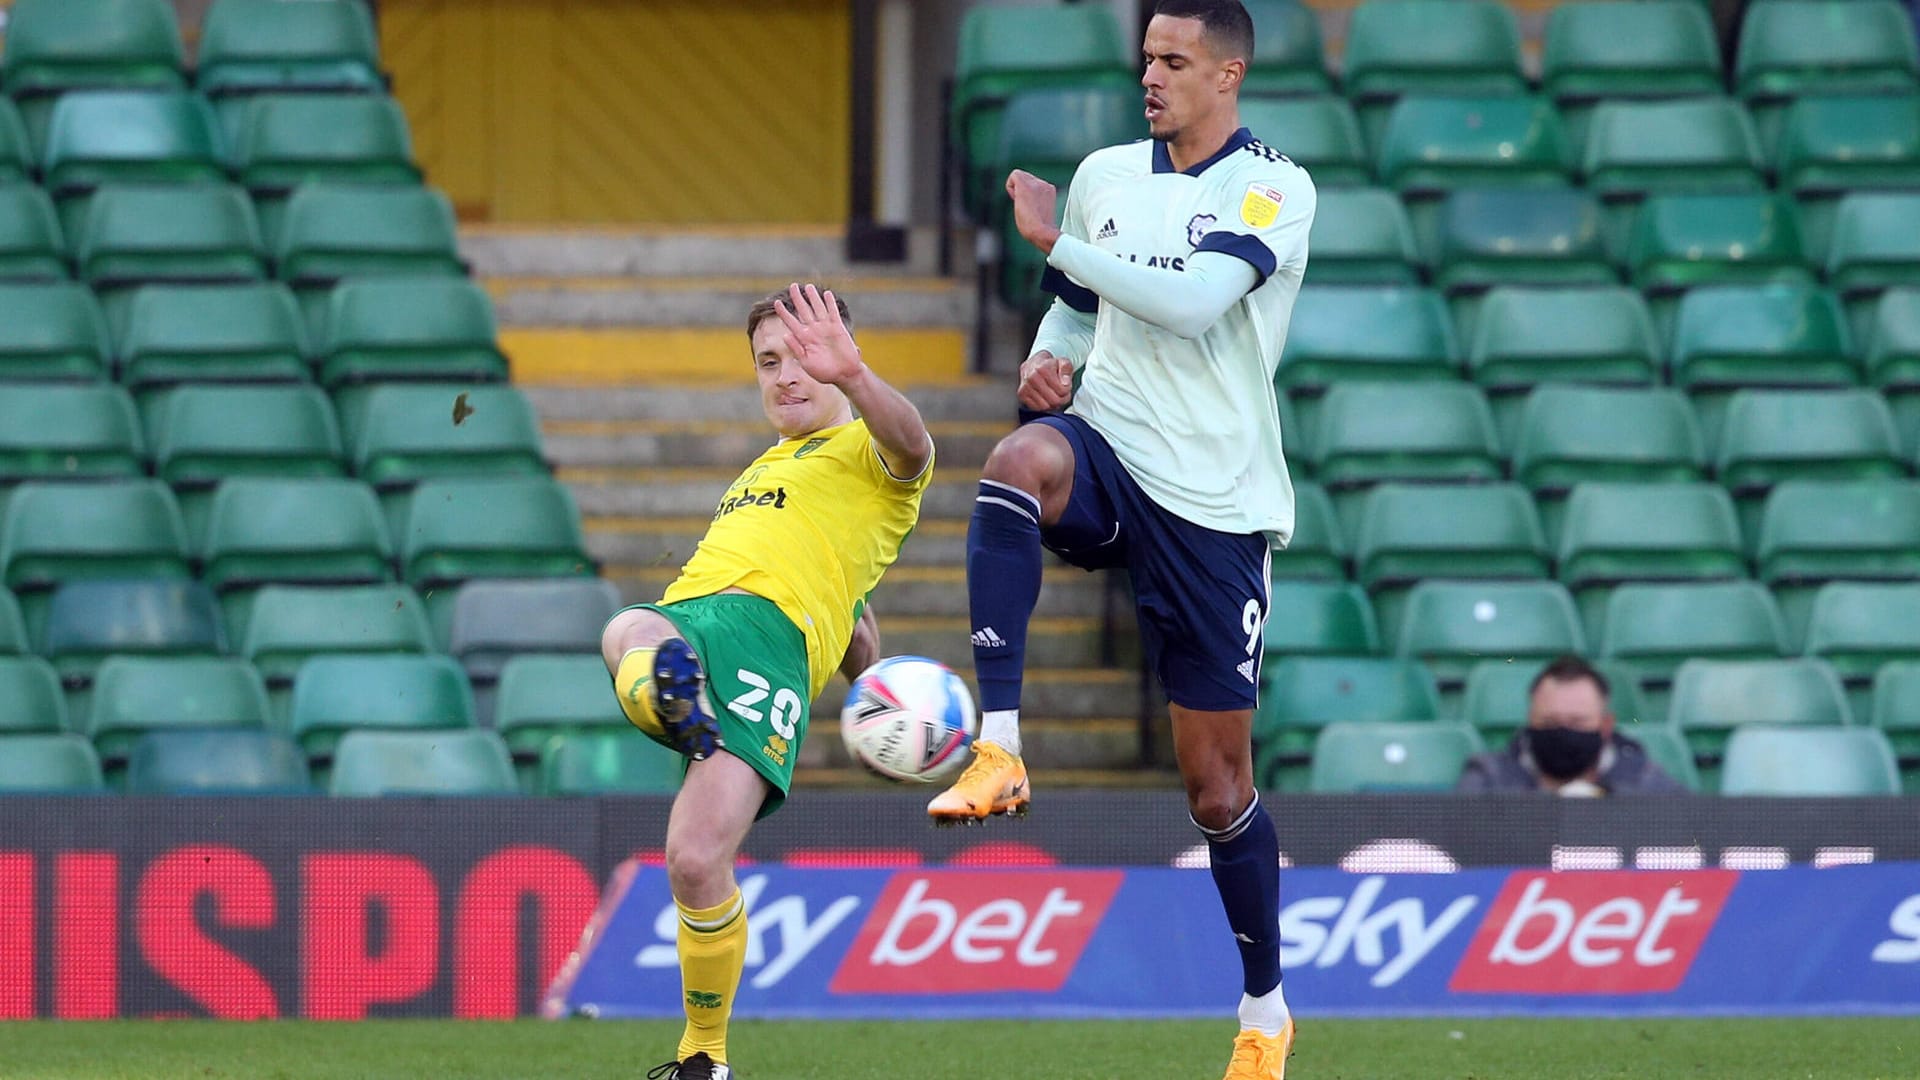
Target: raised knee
[[1027, 462]]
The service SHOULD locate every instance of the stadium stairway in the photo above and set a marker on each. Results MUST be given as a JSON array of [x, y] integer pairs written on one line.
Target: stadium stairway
[[631, 346]]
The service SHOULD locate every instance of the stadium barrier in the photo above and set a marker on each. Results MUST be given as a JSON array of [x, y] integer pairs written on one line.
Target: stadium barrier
[[348, 908]]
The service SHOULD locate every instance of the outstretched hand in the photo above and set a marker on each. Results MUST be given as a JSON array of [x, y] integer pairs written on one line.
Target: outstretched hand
[[818, 338]]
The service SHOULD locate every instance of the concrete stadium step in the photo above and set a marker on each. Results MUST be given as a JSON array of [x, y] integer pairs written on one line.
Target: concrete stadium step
[[971, 399], [709, 355], [926, 591], [1093, 742], [1051, 643], [689, 492], [791, 252], [873, 302], [719, 444], [1047, 694]]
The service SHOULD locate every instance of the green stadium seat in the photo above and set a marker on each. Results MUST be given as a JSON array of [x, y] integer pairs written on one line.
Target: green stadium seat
[[1303, 695], [492, 527], [286, 140], [608, 763], [426, 328], [1286, 55], [136, 695], [1048, 130], [543, 696], [1503, 236], [1452, 625], [1438, 144], [1361, 236], [1006, 49], [1893, 360], [1318, 618], [1369, 757], [1615, 533], [1683, 240], [1350, 332], [1413, 531], [30, 698], [56, 45], [51, 331], [17, 159], [1874, 245], [1569, 435], [406, 434], [65, 532], [216, 762], [1713, 698], [1318, 550], [290, 624], [89, 622], [1829, 146], [1770, 436], [187, 234], [336, 694], [101, 137], [48, 764], [225, 333], [205, 433], [493, 621], [60, 431], [1818, 763], [1637, 148], [251, 46], [1528, 336], [1896, 713], [371, 763], [1659, 49], [1812, 533], [32, 245], [1666, 747], [1793, 47], [332, 232], [1730, 336], [1460, 47], [1320, 133], [1860, 628], [1499, 692], [13, 629], [1372, 432], [295, 531], [1650, 630]]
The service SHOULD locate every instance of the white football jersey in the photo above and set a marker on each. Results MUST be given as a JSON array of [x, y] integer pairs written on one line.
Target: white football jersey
[[1194, 420]]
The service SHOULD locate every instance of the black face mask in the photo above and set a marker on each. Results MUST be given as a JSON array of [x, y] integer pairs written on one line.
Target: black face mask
[[1563, 753]]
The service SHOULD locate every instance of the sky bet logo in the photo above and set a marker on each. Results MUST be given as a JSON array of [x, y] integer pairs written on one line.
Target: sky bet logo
[[776, 498]]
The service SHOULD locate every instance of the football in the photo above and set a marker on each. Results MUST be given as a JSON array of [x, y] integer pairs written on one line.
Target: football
[[908, 718]]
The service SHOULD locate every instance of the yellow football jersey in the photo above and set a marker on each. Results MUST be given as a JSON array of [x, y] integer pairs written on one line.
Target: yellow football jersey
[[810, 525]]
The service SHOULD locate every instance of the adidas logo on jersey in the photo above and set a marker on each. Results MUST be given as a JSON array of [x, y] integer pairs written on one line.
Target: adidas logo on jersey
[[1107, 231], [985, 638], [1246, 668]]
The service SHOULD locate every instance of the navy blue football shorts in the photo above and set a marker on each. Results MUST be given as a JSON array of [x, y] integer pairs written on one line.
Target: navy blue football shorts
[[1201, 595]]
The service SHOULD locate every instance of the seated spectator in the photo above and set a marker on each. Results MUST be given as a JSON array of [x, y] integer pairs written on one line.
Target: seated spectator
[[1569, 746]]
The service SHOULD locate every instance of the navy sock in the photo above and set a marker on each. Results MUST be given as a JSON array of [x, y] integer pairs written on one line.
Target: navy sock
[[1003, 585], [1246, 870]]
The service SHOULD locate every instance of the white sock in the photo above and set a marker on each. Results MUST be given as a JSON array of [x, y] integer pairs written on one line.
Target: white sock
[[1266, 1014], [1001, 727]]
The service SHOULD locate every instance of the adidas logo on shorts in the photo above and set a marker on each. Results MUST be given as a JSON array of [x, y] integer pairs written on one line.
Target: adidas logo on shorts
[[985, 638], [1246, 668]]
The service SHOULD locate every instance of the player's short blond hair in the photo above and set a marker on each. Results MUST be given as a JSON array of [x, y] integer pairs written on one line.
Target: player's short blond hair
[[762, 310]]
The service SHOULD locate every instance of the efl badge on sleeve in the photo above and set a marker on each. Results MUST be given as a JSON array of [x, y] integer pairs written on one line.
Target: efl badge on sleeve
[[1261, 205]]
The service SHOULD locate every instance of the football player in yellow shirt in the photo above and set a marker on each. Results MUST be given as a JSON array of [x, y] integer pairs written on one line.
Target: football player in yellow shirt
[[773, 601]]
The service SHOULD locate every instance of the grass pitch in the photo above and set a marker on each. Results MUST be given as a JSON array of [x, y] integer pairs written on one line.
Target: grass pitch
[[1812, 1049]]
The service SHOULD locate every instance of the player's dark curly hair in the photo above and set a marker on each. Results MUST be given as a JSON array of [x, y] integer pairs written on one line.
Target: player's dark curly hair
[[1229, 28], [1571, 668]]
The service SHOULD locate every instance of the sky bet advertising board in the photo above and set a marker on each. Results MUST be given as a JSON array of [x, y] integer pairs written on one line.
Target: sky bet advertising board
[[933, 943]]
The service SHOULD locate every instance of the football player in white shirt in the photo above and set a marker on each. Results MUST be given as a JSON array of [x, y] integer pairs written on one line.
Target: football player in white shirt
[[1175, 272]]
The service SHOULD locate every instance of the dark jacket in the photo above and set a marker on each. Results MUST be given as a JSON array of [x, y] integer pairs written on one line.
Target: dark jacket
[[1625, 770]]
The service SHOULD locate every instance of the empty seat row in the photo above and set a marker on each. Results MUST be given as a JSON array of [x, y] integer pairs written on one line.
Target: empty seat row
[[393, 435]]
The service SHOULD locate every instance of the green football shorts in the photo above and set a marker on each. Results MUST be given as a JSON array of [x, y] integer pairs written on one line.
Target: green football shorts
[[756, 665]]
